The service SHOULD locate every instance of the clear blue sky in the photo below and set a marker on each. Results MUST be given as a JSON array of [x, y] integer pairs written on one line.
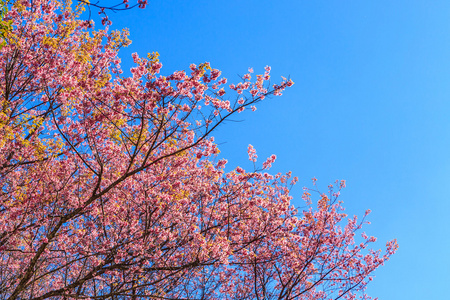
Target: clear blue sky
[[370, 104]]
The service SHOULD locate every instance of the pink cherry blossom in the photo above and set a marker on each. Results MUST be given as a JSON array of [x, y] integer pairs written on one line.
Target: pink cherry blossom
[[112, 188]]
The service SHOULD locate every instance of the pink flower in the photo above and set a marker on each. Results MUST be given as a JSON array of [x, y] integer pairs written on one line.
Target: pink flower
[[269, 161], [252, 153]]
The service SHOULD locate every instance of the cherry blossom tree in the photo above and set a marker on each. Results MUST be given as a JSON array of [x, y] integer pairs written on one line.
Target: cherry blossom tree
[[111, 186]]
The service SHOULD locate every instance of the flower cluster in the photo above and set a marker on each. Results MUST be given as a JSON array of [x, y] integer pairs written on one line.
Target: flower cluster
[[111, 187]]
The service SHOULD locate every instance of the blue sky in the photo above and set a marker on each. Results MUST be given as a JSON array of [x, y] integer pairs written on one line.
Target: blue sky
[[370, 104]]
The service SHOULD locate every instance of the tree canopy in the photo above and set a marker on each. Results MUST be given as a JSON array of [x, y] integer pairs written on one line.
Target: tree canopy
[[111, 186]]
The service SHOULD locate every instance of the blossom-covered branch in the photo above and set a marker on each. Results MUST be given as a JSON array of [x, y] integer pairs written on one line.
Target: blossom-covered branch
[[111, 185]]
